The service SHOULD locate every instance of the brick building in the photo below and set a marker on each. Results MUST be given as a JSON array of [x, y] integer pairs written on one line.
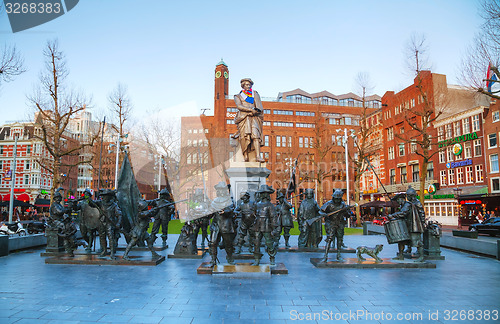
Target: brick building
[[297, 124], [32, 182], [457, 163]]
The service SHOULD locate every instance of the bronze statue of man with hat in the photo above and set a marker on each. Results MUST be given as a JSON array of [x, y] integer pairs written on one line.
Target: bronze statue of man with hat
[[246, 210], [111, 216], [249, 121], [283, 208], [222, 226], [310, 235], [163, 216], [266, 225], [413, 213]]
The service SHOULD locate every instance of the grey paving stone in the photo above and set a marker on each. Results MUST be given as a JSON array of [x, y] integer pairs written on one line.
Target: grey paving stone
[[146, 319], [163, 293]]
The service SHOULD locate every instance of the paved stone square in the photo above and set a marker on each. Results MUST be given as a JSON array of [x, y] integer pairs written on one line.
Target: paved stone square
[[462, 287]]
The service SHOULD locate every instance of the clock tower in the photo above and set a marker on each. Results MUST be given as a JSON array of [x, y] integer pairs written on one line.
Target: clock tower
[[221, 76]]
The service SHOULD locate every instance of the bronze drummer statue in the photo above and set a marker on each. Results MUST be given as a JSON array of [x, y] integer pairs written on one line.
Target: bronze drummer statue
[[408, 224]]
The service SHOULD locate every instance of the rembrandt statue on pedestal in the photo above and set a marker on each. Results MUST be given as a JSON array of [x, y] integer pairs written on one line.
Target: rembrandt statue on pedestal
[[249, 121]]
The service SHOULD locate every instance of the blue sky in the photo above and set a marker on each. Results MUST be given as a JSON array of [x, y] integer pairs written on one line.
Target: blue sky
[[166, 51]]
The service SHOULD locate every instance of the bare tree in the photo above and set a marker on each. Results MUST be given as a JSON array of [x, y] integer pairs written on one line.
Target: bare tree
[[363, 146], [419, 116], [11, 64], [55, 106], [484, 52], [120, 106], [312, 165]]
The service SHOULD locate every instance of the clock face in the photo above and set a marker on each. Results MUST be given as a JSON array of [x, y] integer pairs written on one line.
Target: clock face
[[218, 74], [226, 75]]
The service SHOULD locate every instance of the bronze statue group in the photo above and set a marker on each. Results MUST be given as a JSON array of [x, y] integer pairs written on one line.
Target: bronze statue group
[[232, 226]]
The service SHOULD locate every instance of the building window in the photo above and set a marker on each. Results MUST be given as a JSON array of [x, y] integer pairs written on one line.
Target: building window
[[496, 116], [492, 140], [479, 173], [289, 141], [301, 142], [475, 123], [441, 133], [229, 121], [278, 156], [390, 133], [266, 140], [442, 156], [413, 147], [1, 165], [494, 163], [304, 113], [451, 177], [401, 149], [477, 147], [415, 173], [442, 177], [26, 179], [467, 150], [468, 174], [278, 141], [282, 124], [495, 184], [458, 128], [303, 125], [390, 153], [283, 112], [460, 175], [266, 156], [430, 171], [449, 153], [306, 142], [27, 166], [402, 172], [392, 176], [466, 125], [449, 133]]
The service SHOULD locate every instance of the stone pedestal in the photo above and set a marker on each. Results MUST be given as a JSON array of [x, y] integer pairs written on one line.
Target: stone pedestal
[[246, 176], [55, 243]]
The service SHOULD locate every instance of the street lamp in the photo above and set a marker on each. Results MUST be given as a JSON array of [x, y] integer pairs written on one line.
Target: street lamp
[[119, 146], [344, 138]]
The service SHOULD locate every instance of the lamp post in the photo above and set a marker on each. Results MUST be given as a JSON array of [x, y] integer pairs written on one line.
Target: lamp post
[[120, 145]]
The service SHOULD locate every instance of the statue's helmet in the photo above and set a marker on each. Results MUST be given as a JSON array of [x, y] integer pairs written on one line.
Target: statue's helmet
[[337, 194], [310, 193], [142, 205], [266, 189], [164, 192], [57, 193], [87, 192], [411, 192]]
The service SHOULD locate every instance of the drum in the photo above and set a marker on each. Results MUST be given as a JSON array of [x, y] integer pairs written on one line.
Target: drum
[[396, 231]]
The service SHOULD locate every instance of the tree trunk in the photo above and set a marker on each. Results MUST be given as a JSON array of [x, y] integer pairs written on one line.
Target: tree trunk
[[423, 176]]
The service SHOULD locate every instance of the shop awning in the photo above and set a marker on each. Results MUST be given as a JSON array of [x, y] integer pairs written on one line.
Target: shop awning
[[17, 203], [42, 202], [378, 203], [23, 197]]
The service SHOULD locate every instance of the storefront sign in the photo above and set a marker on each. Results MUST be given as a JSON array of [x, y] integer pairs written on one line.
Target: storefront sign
[[439, 197], [431, 189], [457, 149], [8, 175], [470, 202], [458, 139], [451, 165]]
